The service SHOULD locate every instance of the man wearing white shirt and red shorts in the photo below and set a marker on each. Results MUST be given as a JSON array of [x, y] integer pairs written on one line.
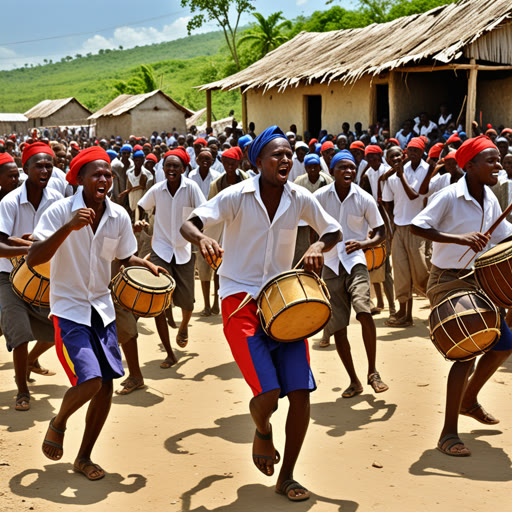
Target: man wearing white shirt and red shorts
[[82, 235], [260, 218], [345, 271]]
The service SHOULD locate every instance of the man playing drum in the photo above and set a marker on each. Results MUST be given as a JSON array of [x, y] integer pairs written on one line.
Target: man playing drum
[[260, 218], [20, 210], [449, 221], [345, 271], [82, 235]]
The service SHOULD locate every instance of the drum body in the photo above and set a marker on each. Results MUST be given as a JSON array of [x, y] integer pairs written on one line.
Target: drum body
[[493, 271], [464, 325], [294, 305], [32, 284], [138, 290], [375, 256]]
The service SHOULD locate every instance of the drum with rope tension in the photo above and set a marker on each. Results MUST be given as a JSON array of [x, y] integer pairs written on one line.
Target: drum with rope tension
[[375, 256], [31, 284]]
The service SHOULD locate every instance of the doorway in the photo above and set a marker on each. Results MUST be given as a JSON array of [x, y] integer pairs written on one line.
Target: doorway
[[313, 114], [382, 93]]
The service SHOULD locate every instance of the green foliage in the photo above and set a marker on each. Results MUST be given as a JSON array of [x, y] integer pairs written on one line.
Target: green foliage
[[407, 7], [267, 34], [218, 11]]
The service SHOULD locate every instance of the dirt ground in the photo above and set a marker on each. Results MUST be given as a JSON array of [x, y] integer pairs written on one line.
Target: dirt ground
[[184, 442]]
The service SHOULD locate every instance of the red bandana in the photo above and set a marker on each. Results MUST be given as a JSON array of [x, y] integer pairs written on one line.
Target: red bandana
[[84, 157], [35, 149]]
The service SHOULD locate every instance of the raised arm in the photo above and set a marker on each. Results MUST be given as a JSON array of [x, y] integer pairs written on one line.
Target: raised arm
[[476, 240]]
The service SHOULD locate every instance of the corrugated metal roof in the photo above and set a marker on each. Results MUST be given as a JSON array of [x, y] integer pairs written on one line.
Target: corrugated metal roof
[[12, 118], [48, 107], [126, 102]]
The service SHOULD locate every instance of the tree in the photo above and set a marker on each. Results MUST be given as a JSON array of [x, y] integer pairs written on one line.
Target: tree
[[267, 34], [140, 83], [218, 10]]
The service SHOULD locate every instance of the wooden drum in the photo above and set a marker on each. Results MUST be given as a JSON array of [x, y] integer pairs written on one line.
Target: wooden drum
[[375, 256], [294, 305], [31, 284], [464, 325], [138, 290], [493, 271]]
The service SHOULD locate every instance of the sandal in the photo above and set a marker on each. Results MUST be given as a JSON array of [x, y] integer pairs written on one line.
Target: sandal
[[455, 441], [398, 322], [40, 371], [182, 339], [290, 485], [477, 412], [22, 402], [324, 343], [167, 363], [129, 385], [351, 391], [206, 312], [82, 467], [275, 459], [52, 443], [376, 383]]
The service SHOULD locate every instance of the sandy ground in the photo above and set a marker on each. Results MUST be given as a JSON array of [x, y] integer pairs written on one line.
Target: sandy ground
[[184, 442]]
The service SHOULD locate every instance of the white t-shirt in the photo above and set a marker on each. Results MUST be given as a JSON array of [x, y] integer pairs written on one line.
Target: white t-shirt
[[80, 271], [204, 185]]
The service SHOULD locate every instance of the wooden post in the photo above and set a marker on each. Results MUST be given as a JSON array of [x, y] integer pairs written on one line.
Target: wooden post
[[208, 108], [244, 111], [471, 104]]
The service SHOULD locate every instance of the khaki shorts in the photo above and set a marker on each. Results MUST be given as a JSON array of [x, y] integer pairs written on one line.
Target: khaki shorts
[[183, 296], [347, 290], [20, 321]]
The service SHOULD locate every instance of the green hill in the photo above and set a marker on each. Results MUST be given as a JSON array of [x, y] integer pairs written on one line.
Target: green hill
[[178, 66]]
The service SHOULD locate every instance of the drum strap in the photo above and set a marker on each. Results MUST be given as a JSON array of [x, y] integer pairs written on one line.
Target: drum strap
[[246, 301]]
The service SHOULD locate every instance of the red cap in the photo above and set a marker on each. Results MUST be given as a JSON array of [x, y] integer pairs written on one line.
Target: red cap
[[357, 144], [373, 149], [416, 142], [326, 145], [451, 154], [181, 153], [200, 140], [84, 157], [454, 137], [5, 158], [35, 149], [137, 147], [435, 150], [235, 153], [312, 141], [394, 141], [471, 147], [151, 156]]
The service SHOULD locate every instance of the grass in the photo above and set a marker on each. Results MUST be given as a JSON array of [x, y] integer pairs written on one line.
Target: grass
[[178, 67]]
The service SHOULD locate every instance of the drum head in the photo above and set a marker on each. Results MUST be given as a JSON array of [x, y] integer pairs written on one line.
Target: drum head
[[504, 249], [145, 278]]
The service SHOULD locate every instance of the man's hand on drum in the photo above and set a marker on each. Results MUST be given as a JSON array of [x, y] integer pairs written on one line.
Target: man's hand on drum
[[135, 261], [353, 245], [314, 258], [140, 225], [210, 249], [81, 218], [476, 240]]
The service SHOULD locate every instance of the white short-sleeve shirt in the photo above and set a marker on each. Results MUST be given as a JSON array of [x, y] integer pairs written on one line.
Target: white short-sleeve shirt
[[59, 183], [204, 185], [373, 178], [18, 217], [255, 249], [81, 267], [298, 169], [170, 213], [454, 210], [357, 213], [405, 209]]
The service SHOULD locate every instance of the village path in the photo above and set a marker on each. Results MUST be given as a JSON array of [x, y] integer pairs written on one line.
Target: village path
[[184, 443]]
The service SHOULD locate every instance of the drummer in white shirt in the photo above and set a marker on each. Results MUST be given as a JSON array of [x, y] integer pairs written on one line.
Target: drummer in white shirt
[[260, 218], [345, 271], [173, 200]]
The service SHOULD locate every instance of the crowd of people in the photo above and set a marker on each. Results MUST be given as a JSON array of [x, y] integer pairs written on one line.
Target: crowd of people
[[263, 204]]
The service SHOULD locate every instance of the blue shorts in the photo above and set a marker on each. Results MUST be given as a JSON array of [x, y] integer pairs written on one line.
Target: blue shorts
[[505, 341], [266, 364], [88, 352]]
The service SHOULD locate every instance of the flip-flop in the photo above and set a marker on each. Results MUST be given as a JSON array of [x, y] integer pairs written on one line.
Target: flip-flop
[[291, 485], [40, 371], [182, 339], [398, 322], [324, 343], [275, 459], [351, 391], [206, 312], [130, 385], [374, 379], [455, 441], [52, 443], [22, 398], [82, 466], [477, 412], [167, 364]]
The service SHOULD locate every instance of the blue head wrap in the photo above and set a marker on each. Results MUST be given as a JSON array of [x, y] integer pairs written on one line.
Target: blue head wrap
[[312, 158], [139, 153], [318, 146], [243, 141], [126, 147], [463, 135], [271, 133], [345, 154], [112, 154]]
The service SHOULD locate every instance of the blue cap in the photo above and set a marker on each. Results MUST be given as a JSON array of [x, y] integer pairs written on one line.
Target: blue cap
[[139, 153], [312, 158], [112, 154], [243, 141], [126, 147], [271, 133], [345, 154], [318, 146]]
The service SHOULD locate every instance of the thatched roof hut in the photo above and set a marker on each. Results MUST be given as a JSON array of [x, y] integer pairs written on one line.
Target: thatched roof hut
[[467, 45], [140, 114], [61, 112]]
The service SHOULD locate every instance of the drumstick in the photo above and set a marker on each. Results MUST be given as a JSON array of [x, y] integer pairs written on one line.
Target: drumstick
[[299, 262], [496, 223], [147, 256]]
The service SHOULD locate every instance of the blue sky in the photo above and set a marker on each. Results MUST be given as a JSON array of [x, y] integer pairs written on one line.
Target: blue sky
[[33, 32]]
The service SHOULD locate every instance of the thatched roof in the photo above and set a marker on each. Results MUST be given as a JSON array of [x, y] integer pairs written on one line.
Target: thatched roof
[[48, 107], [126, 102], [439, 35]]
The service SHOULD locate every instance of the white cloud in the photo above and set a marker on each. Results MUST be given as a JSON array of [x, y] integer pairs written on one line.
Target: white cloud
[[6, 53], [301, 2], [128, 37]]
